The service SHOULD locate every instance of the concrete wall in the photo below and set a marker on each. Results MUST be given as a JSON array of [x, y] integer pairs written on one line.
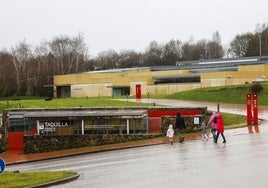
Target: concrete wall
[[171, 88], [105, 89], [91, 90]]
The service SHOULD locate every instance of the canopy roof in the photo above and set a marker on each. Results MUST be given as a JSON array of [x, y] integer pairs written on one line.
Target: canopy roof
[[43, 114]]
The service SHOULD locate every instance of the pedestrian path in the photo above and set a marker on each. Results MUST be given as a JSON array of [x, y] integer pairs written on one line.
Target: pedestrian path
[[17, 156]]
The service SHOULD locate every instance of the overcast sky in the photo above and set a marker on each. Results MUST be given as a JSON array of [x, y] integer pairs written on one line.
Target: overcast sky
[[127, 24]]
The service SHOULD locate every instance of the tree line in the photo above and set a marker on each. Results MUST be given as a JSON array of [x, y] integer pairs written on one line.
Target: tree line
[[29, 71]]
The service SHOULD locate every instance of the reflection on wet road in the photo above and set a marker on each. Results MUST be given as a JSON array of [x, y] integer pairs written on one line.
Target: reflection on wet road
[[241, 162]]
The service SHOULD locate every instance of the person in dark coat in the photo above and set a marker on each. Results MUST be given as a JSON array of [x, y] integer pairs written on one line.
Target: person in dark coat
[[180, 125]]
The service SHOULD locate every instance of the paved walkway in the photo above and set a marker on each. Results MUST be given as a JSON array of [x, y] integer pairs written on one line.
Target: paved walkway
[[13, 157], [16, 156]]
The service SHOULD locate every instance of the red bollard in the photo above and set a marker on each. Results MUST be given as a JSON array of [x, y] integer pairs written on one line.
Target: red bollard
[[249, 113], [255, 109]]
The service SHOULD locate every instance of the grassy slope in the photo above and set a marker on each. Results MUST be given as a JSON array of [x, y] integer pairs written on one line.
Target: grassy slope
[[229, 94]]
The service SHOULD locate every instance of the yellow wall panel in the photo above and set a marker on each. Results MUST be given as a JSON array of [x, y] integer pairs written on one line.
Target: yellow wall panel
[[101, 84]]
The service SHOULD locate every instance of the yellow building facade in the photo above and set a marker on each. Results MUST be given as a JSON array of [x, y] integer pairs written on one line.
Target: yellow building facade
[[245, 74], [124, 82]]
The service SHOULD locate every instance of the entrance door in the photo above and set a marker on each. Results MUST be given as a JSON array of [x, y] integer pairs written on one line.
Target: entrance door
[[63, 91], [15, 140]]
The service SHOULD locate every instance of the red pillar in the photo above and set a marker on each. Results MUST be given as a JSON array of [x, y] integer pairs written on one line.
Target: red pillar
[[255, 109], [249, 113]]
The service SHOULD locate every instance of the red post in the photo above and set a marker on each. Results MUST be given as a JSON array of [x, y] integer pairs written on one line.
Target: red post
[[249, 114], [255, 109], [138, 91]]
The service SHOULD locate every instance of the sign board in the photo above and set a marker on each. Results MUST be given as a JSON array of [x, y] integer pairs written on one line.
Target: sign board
[[196, 120], [2, 165], [50, 126]]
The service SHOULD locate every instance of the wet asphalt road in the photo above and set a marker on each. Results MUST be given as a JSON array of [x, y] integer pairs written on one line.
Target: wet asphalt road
[[242, 161]]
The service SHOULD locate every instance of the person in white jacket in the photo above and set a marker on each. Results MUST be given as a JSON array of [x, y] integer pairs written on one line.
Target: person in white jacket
[[170, 133]]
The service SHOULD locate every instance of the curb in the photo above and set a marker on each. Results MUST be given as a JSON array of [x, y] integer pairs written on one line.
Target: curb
[[61, 181]]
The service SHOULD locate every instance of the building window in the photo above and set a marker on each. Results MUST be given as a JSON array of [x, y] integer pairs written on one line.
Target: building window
[[22, 125]]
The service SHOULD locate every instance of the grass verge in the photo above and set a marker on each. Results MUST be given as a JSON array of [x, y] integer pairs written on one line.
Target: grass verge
[[29, 179]]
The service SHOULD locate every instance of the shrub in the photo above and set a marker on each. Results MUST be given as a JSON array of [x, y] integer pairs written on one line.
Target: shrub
[[255, 88]]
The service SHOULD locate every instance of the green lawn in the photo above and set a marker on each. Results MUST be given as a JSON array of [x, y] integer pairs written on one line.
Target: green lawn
[[26, 179], [229, 94]]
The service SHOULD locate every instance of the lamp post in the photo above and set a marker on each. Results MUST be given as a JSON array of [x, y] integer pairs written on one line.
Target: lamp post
[[260, 43]]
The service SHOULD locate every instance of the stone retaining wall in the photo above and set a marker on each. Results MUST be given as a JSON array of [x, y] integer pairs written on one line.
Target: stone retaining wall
[[39, 144]]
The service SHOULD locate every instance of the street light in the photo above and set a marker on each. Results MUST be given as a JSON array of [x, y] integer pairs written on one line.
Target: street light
[[260, 43]]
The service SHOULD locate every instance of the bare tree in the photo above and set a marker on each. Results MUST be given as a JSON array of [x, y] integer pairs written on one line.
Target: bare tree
[[21, 56], [7, 76], [190, 51], [43, 70], [129, 58], [214, 47], [240, 44], [107, 60], [172, 52], [153, 55], [202, 46], [261, 35], [68, 53]]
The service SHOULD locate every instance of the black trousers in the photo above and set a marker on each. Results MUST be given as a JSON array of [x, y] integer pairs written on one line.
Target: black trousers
[[222, 135]]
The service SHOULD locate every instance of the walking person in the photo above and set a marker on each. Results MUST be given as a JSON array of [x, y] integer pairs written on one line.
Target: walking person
[[220, 128], [212, 122], [180, 126], [204, 131], [170, 133]]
